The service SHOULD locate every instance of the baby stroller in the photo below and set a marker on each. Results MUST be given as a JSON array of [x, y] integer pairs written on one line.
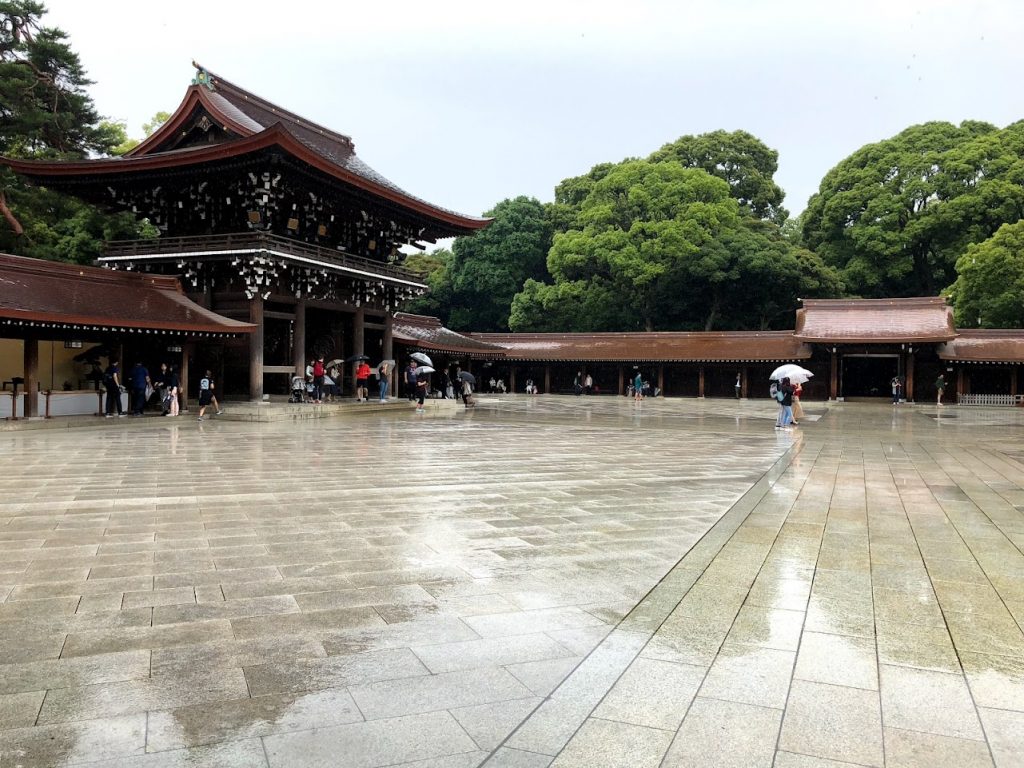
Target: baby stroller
[[298, 390]]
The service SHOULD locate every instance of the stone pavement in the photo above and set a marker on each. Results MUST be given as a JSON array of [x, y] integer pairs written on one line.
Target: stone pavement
[[504, 586]]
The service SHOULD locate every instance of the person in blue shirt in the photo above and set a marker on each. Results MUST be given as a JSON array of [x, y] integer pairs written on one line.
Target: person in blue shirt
[[139, 378]]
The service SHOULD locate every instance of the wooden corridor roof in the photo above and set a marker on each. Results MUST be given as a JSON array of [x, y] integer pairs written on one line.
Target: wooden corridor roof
[[875, 320], [68, 297]]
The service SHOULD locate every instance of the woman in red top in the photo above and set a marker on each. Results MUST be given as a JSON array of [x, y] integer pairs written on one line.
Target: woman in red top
[[362, 381]]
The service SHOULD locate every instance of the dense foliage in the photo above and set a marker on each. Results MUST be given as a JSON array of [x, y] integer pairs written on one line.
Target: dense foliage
[[989, 289], [45, 112], [895, 216]]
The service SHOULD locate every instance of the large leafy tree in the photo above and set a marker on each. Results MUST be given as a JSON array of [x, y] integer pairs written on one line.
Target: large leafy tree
[[740, 159], [487, 269], [989, 289], [895, 215], [45, 112], [658, 246]]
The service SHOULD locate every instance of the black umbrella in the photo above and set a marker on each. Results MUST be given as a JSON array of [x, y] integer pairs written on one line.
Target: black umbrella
[[467, 376], [356, 358]]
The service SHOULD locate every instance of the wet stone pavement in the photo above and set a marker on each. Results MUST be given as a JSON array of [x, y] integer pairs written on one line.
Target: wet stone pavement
[[545, 581]]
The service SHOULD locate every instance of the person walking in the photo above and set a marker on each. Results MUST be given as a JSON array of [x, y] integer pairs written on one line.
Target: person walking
[[798, 409], [577, 383], [897, 388], [318, 379], [467, 393], [588, 384], [173, 387], [206, 394], [738, 385], [139, 379], [940, 387], [112, 383], [422, 385], [787, 403], [383, 373], [638, 387], [410, 380], [362, 381]]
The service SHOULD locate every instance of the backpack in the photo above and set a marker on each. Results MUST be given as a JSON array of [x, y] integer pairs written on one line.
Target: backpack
[[773, 391]]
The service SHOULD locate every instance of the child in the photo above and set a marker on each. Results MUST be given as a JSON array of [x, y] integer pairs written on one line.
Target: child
[[206, 396]]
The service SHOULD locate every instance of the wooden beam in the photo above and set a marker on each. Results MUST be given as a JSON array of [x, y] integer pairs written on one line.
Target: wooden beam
[[299, 338], [833, 382], [700, 382], [622, 381], [908, 389]]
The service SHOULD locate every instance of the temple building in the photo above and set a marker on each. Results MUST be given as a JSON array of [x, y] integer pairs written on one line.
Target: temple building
[[266, 218]]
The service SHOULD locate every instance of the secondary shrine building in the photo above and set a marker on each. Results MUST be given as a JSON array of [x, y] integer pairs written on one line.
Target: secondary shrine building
[[266, 218]]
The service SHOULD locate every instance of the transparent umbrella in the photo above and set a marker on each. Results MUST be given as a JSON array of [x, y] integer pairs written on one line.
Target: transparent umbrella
[[791, 371]]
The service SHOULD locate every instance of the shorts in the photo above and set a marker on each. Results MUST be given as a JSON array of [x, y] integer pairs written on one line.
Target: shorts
[[205, 396], [361, 382]]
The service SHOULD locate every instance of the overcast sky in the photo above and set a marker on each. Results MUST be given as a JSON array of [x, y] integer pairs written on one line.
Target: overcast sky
[[466, 103]]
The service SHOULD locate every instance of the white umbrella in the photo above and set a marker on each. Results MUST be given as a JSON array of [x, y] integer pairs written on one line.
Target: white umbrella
[[794, 373], [424, 369], [419, 357]]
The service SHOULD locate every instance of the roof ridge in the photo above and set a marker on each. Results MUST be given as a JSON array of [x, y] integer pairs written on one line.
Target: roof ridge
[[216, 81]]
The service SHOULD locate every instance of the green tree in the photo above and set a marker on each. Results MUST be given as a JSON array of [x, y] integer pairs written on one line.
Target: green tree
[[989, 289], [45, 112], [738, 158], [487, 269], [432, 268], [895, 215]]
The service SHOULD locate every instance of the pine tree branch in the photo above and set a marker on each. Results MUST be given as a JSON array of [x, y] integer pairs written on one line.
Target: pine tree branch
[[8, 214]]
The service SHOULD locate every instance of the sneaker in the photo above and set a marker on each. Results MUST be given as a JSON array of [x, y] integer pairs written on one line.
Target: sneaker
[[200, 418], [219, 412], [109, 416], [120, 415]]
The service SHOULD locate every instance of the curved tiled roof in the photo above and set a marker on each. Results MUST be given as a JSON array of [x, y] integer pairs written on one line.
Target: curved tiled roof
[[665, 346], [428, 333], [875, 320], [57, 295], [983, 346], [252, 123]]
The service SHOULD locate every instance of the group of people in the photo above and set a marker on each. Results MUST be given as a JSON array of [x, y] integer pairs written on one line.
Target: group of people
[[322, 384], [142, 387], [787, 395]]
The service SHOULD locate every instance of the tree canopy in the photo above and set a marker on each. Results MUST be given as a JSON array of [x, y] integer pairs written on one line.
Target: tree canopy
[[894, 216], [45, 112], [989, 289], [475, 286], [740, 159], [660, 246]]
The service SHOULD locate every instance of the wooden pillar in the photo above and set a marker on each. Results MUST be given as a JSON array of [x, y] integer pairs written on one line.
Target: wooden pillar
[[833, 383], [1013, 380], [908, 388], [661, 380], [187, 351], [512, 379], [744, 382], [700, 382], [622, 381], [299, 338], [963, 382], [388, 352], [547, 379], [358, 340], [31, 374], [256, 349]]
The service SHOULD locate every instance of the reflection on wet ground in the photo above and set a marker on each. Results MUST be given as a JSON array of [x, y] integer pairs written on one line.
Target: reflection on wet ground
[[566, 581]]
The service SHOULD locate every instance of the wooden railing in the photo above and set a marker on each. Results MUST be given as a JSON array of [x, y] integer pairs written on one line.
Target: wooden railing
[[253, 241], [990, 399]]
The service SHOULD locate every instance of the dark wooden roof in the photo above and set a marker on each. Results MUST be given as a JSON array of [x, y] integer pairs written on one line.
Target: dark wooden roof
[[428, 333], [875, 320], [250, 124], [667, 346], [60, 296], [984, 346]]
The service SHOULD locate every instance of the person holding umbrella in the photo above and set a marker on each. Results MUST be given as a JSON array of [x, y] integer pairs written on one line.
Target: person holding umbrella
[[422, 385], [466, 381]]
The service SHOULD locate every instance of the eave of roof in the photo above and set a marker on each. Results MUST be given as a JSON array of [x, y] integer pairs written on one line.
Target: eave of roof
[[427, 333], [664, 346], [60, 296], [985, 346]]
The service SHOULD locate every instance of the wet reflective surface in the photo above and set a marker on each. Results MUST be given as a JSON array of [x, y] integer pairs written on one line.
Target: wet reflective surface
[[565, 581]]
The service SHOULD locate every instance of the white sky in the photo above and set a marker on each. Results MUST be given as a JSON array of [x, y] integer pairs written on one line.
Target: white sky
[[466, 103]]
